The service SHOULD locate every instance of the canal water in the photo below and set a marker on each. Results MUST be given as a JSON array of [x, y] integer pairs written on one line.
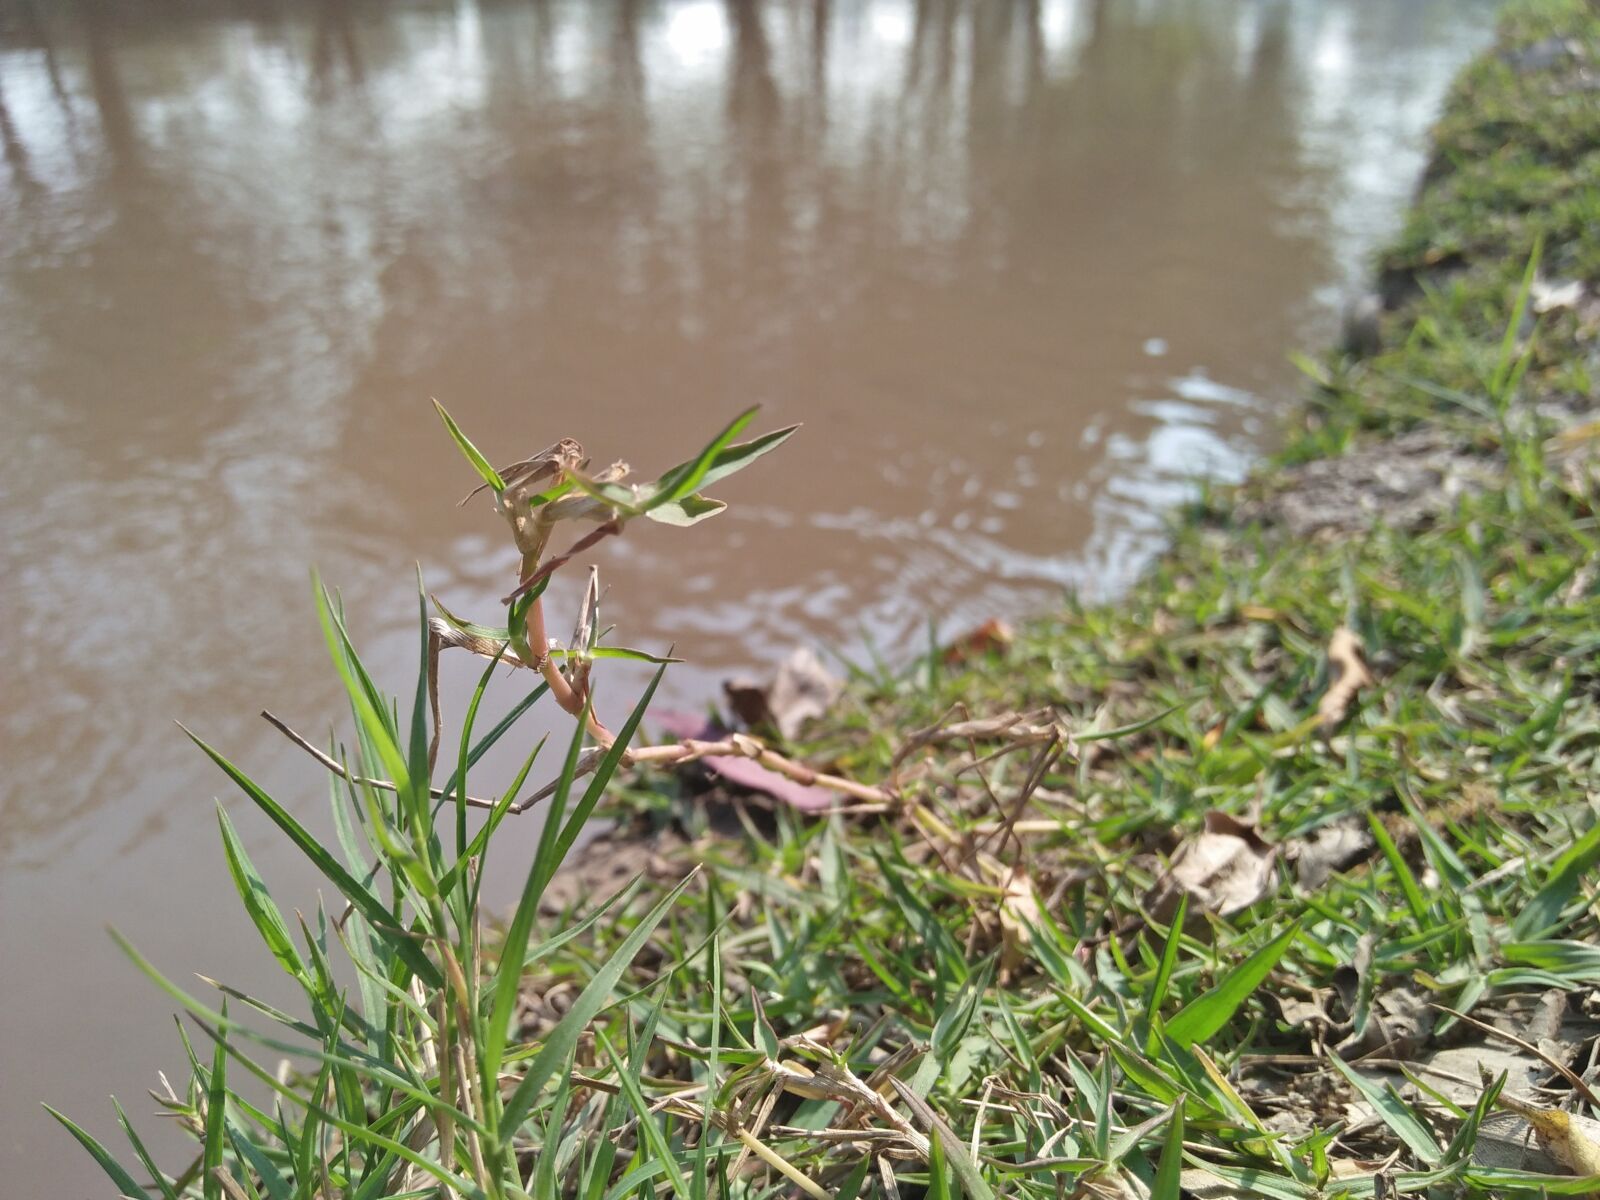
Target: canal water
[[1026, 270]]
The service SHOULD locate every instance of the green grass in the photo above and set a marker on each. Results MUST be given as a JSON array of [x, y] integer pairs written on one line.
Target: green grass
[[985, 987]]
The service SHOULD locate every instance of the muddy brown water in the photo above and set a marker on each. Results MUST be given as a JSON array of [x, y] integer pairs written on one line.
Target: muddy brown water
[[1025, 270]]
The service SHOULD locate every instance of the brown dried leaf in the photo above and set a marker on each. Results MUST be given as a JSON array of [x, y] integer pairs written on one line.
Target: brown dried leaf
[[1350, 675], [1229, 866], [1297, 1010], [1019, 914], [991, 637], [1332, 848], [1398, 1026], [802, 690]]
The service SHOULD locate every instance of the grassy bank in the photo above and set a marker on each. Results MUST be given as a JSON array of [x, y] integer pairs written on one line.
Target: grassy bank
[[1276, 877], [1008, 932]]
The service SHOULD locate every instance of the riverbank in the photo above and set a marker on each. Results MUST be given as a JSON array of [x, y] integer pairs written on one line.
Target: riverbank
[[1252, 875]]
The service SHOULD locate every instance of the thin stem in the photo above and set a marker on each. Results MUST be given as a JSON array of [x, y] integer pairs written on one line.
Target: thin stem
[[338, 768], [565, 694]]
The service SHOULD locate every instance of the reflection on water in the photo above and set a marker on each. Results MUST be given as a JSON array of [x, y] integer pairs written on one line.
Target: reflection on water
[[1024, 268]]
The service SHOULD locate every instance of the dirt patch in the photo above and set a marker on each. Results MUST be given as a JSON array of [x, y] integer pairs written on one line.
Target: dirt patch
[[1403, 482]]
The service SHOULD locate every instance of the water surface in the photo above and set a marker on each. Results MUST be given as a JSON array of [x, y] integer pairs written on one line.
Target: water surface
[[1025, 270]]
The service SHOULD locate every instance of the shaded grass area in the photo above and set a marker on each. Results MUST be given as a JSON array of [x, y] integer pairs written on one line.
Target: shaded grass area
[[1008, 938]]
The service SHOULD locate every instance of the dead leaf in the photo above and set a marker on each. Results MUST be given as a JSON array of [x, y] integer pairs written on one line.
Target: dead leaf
[[1398, 1025], [747, 773], [1545, 1023], [1019, 915], [1457, 1071], [1229, 866], [993, 636], [1203, 1185], [802, 690], [1349, 675], [1298, 1011], [741, 772], [1334, 847]]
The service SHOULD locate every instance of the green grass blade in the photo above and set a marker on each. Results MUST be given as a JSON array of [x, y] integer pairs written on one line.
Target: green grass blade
[[1507, 358], [1170, 1169], [741, 454], [366, 903], [258, 902], [360, 1133], [416, 796], [1543, 912], [370, 711], [1202, 1017], [647, 1124], [691, 510], [938, 1170], [687, 477], [563, 1039], [278, 1188], [508, 975], [156, 1177], [480, 464], [1402, 870], [501, 728], [126, 1184], [216, 1118], [1157, 991], [1395, 1113]]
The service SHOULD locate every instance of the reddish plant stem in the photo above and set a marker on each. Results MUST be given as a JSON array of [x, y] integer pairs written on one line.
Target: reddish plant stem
[[565, 694]]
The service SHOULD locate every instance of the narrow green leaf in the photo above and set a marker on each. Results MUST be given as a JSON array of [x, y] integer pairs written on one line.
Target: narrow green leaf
[[508, 975], [216, 1117], [305, 1176], [765, 1036], [563, 1039], [277, 1186], [258, 902], [1257, 1182], [1519, 307], [416, 797], [1543, 912], [366, 903], [126, 1185], [1202, 1017], [156, 1177], [1402, 870], [369, 709], [1170, 1169], [686, 478], [850, 1189], [691, 510], [1157, 991], [647, 1123], [1395, 1112], [601, 778], [480, 464], [490, 633], [741, 454], [1101, 735], [938, 1169], [501, 728]]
